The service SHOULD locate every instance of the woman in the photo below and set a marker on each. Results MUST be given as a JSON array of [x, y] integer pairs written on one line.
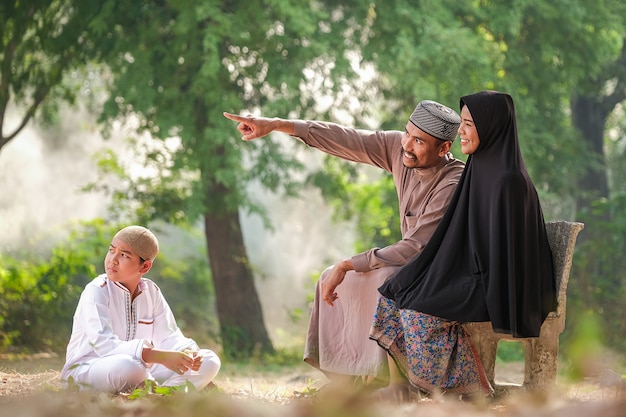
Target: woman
[[489, 260]]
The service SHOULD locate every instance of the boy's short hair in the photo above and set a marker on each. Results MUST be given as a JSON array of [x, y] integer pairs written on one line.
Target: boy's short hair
[[141, 240]]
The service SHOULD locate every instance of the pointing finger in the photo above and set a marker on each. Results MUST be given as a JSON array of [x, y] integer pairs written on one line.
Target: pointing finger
[[234, 117]]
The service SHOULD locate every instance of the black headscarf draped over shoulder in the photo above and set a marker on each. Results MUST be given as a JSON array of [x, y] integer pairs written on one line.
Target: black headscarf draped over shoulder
[[489, 259]]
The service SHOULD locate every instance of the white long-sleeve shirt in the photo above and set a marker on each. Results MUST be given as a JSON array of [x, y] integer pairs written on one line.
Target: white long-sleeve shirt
[[106, 322]]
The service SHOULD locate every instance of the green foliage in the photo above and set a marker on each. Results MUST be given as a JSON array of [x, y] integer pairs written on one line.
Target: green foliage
[[543, 53], [615, 143], [275, 362], [510, 352], [242, 345], [544, 73], [428, 50], [174, 66], [42, 42], [188, 288], [378, 222], [585, 345], [370, 198], [182, 65], [152, 388], [455, 48], [598, 277], [39, 297], [177, 66]]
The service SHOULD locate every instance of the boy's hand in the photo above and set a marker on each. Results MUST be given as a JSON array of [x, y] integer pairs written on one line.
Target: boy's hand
[[179, 362], [197, 359]]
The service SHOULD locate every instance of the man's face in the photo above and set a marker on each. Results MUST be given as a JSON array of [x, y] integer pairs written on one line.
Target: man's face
[[421, 150]]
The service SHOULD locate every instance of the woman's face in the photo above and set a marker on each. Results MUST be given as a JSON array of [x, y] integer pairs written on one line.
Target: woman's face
[[468, 133]]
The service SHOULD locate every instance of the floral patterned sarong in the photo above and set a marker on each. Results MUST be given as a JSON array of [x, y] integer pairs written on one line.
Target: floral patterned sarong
[[434, 354]]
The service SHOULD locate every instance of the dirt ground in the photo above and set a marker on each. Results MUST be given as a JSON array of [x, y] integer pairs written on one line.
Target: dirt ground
[[603, 394]]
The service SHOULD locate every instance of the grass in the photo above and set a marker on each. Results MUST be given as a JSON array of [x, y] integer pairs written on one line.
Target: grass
[[30, 364], [275, 386]]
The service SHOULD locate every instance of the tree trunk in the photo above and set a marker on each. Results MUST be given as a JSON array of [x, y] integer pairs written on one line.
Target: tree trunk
[[238, 307], [589, 117]]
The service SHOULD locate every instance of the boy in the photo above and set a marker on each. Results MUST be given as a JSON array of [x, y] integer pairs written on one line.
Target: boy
[[124, 332]]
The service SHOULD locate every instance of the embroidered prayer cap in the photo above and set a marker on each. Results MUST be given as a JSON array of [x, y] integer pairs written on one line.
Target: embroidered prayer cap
[[436, 119], [141, 240]]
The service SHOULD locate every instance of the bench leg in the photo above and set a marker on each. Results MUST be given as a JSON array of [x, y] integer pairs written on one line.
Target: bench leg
[[486, 343], [542, 355]]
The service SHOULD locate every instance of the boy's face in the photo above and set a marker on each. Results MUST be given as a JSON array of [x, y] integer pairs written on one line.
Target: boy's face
[[123, 265]]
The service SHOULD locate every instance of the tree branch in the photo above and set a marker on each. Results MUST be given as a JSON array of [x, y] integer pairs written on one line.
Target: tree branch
[[39, 98], [7, 76], [617, 70]]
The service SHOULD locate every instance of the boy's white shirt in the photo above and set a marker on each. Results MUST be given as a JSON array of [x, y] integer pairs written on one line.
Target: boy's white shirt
[[106, 322]]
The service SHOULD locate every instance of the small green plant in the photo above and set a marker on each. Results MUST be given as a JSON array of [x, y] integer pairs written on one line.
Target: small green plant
[[150, 387]]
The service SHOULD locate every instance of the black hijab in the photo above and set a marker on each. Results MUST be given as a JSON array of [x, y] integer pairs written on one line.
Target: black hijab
[[489, 259]]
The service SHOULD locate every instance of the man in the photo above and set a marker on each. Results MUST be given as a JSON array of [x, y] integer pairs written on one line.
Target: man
[[425, 175]]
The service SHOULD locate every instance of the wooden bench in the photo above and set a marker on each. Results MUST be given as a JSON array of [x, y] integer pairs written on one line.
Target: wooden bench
[[541, 353]]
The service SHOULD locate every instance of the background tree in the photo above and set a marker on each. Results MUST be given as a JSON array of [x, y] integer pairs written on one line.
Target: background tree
[[564, 64], [565, 60], [551, 56], [173, 66], [42, 42], [176, 66], [560, 58], [411, 52]]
